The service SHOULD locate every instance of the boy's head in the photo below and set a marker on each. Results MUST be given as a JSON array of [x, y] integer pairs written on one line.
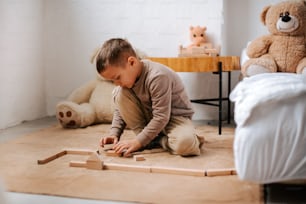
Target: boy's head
[[114, 52], [117, 61]]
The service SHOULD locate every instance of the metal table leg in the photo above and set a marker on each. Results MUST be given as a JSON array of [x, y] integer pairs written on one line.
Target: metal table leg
[[220, 97]]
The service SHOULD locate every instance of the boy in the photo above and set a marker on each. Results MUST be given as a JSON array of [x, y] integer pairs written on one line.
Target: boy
[[150, 99]]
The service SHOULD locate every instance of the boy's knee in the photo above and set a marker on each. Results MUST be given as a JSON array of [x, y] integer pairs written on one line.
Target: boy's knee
[[185, 146], [188, 146]]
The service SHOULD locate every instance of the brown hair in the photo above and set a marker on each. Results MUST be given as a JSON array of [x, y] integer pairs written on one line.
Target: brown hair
[[114, 51]]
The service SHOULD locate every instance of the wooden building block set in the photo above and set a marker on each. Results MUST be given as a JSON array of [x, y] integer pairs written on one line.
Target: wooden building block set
[[96, 163]]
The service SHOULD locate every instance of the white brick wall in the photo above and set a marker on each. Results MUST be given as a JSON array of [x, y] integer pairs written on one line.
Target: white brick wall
[[157, 27], [45, 45]]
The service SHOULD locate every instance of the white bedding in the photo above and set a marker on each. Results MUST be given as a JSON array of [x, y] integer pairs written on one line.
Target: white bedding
[[270, 138]]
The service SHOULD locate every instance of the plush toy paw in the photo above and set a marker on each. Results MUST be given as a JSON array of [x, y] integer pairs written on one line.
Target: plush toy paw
[[256, 69], [67, 115]]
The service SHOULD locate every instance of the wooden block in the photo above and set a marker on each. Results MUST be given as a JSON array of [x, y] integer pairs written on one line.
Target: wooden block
[[178, 171], [234, 172], [99, 150], [79, 151], [219, 172], [95, 165], [112, 153], [51, 158], [77, 164], [94, 157], [106, 148], [127, 167], [94, 162], [211, 51], [139, 157]]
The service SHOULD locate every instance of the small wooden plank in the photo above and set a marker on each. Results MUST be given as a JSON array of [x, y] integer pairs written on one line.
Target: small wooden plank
[[127, 167], [77, 164], [219, 172], [139, 157], [112, 153], [214, 51], [51, 158], [178, 171], [106, 148], [79, 151], [234, 172]]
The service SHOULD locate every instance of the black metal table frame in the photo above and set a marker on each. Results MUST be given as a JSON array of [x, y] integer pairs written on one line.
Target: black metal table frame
[[220, 99]]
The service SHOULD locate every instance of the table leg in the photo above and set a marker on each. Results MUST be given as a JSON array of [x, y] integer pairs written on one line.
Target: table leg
[[220, 97]]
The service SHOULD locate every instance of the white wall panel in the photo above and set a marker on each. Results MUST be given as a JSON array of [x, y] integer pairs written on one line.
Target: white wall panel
[[22, 91]]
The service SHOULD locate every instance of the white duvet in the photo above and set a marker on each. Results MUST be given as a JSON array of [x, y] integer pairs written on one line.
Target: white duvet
[[270, 138]]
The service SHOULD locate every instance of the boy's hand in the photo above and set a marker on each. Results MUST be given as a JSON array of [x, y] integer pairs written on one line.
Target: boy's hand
[[108, 140], [127, 146]]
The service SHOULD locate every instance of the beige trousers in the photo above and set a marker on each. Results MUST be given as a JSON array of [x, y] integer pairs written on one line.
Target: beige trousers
[[178, 137]]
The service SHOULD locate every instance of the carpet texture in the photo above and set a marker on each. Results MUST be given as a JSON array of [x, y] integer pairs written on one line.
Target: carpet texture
[[21, 173]]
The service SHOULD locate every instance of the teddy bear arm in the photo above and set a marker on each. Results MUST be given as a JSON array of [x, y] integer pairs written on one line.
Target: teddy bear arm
[[83, 93], [259, 46]]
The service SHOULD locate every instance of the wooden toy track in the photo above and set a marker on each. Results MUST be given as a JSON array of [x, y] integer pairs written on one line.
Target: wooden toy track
[[96, 163]]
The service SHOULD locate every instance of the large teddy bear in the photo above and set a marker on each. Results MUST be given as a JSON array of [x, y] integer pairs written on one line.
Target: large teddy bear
[[284, 49], [87, 105]]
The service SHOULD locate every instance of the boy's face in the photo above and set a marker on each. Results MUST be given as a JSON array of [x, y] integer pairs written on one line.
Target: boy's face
[[124, 76]]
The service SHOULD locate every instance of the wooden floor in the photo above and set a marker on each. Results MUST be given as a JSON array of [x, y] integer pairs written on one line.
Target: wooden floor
[[274, 193], [21, 198]]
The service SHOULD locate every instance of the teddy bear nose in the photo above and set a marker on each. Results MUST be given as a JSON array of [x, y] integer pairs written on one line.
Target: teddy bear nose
[[286, 18]]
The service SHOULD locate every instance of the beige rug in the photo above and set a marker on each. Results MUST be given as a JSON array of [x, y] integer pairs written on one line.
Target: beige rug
[[20, 171]]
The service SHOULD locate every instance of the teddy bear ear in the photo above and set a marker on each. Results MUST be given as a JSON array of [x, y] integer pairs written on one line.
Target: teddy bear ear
[[264, 14], [204, 28], [191, 28], [94, 55]]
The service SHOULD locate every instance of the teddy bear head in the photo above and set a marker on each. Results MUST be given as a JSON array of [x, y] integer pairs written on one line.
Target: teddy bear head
[[197, 35], [285, 18]]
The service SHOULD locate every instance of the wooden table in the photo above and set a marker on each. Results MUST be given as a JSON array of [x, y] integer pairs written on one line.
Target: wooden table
[[216, 65]]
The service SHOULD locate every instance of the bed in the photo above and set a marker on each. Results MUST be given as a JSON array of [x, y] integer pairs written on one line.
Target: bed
[[270, 136]]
